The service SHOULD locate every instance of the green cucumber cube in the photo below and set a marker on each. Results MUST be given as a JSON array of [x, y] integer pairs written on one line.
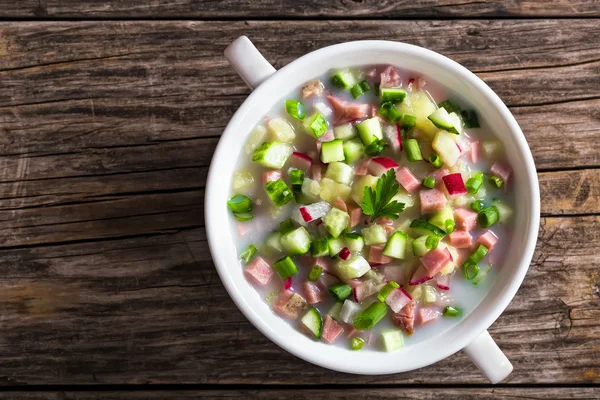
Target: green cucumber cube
[[396, 246], [344, 132], [392, 340], [369, 130], [375, 234], [272, 154], [353, 150], [313, 321], [354, 242], [393, 95], [296, 241], [335, 221], [279, 193], [332, 151], [343, 79], [315, 125], [320, 248], [335, 246], [440, 217], [354, 267], [340, 172]]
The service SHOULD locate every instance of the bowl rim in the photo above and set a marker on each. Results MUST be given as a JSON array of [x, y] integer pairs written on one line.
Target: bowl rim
[[479, 325]]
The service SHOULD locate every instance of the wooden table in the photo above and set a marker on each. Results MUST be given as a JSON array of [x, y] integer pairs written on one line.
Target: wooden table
[[109, 114]]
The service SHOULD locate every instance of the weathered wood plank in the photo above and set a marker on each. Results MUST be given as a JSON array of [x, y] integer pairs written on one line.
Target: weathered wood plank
[[321, 394], [152, 310], [90, 9]]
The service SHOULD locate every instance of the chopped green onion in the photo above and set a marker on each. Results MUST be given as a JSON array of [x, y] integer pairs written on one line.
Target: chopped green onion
[[357, 343], [296, 178], [285, 267], [286, 226], [239, 204], [247, 254], [488, 216], [340, 291], [376, 147], [474, 183], [450, 106], [429, 182], [470, 119], [471, 270], [389, 111], [359, 89], [395, 95], [370, 316], [496, 181], [477, 205], [386, 290], [408, 122], [432, 242], [315, 273], [318, 125], [451, 311], [243, 217], [449, 225], [413, 151], [295, 109], [478, 255], [435, 160]]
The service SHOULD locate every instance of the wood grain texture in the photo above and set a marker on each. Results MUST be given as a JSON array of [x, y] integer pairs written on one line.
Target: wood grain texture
[[91, 9], [311, 394], [151, 309]]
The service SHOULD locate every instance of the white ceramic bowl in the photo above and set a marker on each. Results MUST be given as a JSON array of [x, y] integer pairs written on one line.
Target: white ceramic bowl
[[270, 85]]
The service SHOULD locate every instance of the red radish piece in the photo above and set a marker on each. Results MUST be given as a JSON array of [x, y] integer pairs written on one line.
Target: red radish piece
[[331, 329], [393, 137], [411, 81], [488, 239], [288, 283], [427, 314], [340, 204], [346, 111], [305, 214], [408, 181], [435, 260], [300, 161], [314, 293], [326, 137], [474, 151], [449, 254], [419, 276], [460, 239], [502, 170], [443, 282], [405, 318], [259, 271], [316, 171], [271, 176], [431, 200], [455, 184], [390, 78], [376, 256], [355, 214], [379, 165], [465, 219], [344, 253], [397, 299]]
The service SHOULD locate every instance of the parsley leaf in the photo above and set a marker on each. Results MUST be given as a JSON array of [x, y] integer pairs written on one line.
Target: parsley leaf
[[378, 203]]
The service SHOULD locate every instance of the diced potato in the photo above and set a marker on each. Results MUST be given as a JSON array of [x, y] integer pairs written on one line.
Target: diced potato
[[492, 148], [421, 106], [281, 130], [331, 190], [415, 291], [429, 295], [242, 181], [256, 138], [445, 146]]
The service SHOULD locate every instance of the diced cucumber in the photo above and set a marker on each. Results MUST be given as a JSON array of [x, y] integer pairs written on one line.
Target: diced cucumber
[[504, 210], [340, 172], [344, 132], [392, 340], [272, 154], [440, 217], [335, 221], [415, 291], [470, 119], [332, 151], [343, 79], [349, 310], [448, 122], [420, 106], [457, 123], [393, 95], [446, 147], [354, 267], [396, 245], [286, 226], [313, 322], [274, 242], [296, 179], [311, 190], [315, 125], [335, 246], [423, 227], [353, 151], [320, 248], [334, 312], [331, 190], [369, 130], [358, 188], [429, 294], [281, 130], [296, 241], [423, 244], [375, 234], [354, 242], [279, 193]]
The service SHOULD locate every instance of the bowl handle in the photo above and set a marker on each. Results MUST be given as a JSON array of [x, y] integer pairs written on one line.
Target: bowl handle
[[488, 357], [248, 62]]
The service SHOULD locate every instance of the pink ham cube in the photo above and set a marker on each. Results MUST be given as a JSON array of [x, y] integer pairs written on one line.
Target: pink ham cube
[[323, 262], [502, 170], [290, 304], [376, 256], [474, 151], [426, 314], [355, 213], [488, 239], [316, 171], [390, 78], [345, 110], [271, 176], [259, 271], [313, 292], [465, 219], [460, 239], [407, 180], [340, 204], [362, 167], [435, 260], [431, 200], [405, 319], [300, 161], [331, 329]]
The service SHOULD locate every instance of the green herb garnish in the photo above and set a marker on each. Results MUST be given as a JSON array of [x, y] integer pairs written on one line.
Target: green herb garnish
[[378, 203]]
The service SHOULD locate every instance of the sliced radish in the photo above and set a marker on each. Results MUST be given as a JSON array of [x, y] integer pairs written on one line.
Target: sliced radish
[[391, 133], [300, 161], [443, 281], [455, 184], [420, 276], [379, 165], [344, 253], [288, 283], [305, 214], [397, 299]]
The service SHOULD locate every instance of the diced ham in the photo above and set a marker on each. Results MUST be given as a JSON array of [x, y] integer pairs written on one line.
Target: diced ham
[[390, 78], [362, 168], [300, 161], [502, 170], [465, 219], [271, 176], [438, 173], [431, 200], [355, 213], [389, 229], [331, 329], [419, 276], [313, 292], [260, 271], [290, 305], [488, 239], [460, 239], [340, 204], [346, 111], [316, 171], [352, 331], [323, 262], [435, 260], [312, 88], [326, 137], [327, 279], [397, 299], [405, 319], [427, 314], [474, 151], [407, 180], [376, 256], [373, 111]]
